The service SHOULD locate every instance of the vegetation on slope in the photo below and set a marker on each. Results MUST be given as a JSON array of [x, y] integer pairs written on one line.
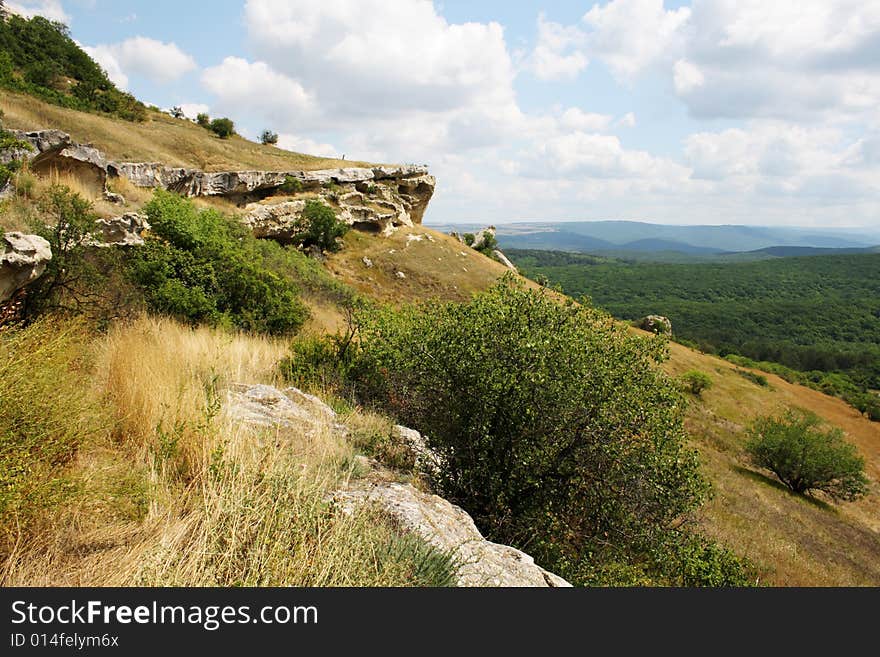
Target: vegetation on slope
[[817, 315], [555, 428], [119, 469], [38, 57]]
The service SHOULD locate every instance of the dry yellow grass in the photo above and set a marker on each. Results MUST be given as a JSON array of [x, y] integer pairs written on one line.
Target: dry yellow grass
[[435, 266], [161, 138], [184, 494]]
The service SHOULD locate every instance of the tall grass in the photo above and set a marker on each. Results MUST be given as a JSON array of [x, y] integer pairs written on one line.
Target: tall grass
[[182, 493]]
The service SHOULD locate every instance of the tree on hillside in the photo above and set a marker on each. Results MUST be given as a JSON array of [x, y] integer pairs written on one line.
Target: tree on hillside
[[177, 112], [203, 120], [269, 138], [806, 457], [557, 431], [223, 128]]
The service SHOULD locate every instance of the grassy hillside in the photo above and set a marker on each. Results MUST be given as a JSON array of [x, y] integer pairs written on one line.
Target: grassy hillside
[[793, 540], [159, 138], [812, 313]]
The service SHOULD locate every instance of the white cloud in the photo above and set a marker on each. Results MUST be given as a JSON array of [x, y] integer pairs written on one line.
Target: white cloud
[[242, 87], [192, 110], [687, 77], [50, 9], [576, 119], [305, 145], [628, 120], [558, 54], [631, 35], [810, 60], [578, 154], [155, 60]]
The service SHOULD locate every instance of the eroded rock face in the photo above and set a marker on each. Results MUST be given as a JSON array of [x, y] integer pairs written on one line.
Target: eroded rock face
[[376, 199], [23, 259], [84, 163], [444, 525], [449, 529], [122, 231]]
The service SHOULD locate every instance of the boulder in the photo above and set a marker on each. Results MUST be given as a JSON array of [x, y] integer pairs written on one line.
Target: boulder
[[483, 238], [656, 324], [504, 260], [427, 460], [39, 141], [450, 529], [266, 406], [122, 231], [282, 222], [23, 259]]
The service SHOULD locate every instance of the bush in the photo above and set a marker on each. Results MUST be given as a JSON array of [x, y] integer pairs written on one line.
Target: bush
[[806, 457], [223, 128], [558, 432], [323, 228], [203, 120], [696, 382], [269, 138], [204, 267], [291, 185], [757, 379]]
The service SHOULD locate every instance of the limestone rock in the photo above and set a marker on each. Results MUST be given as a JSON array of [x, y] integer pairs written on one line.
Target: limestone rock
[[656, 324], [122, 231], [448, 528], [39, 140], [483, 238], [85, 163], [23, 259], [267, 406], [504, 260], [427, 460], [367, 262], [282, 222]]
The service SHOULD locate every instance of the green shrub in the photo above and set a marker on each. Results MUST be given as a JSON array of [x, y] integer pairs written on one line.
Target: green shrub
[[291, 185], [323, 228], [203, 120], [695, 382], [469, 238], [806, 457], [269, 138], [223, 128], [205, 267], [558, 432], [757, 379]]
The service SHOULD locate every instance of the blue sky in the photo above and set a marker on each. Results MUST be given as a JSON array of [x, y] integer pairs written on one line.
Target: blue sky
[[709, 111]]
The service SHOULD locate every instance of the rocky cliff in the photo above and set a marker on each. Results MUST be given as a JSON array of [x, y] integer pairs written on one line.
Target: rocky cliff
[[23, 259], [376, 199]]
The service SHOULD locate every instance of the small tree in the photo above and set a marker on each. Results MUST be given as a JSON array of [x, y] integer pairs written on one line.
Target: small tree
[[177, 112], [806, 457], [223, 128], [203, 120], [269, 138], [324, 229], [695, 382]]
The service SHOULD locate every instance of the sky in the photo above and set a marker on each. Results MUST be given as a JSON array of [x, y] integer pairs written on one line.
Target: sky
[[703, 112]]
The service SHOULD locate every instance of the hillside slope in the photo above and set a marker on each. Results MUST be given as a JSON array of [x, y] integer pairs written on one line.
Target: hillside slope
[[793, 540], [160, 138]]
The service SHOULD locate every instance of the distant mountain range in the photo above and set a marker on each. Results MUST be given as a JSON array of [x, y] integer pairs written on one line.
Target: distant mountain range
[[620, 238]]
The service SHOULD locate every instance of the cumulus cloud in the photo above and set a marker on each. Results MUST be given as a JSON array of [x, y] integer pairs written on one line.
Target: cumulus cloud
[[192, 110], [305, 145], [558, 54], [241, 86], [631, 35], [50, 9], [158, 61]]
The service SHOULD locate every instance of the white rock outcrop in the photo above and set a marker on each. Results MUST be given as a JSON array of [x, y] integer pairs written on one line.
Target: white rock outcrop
[[23, 259], [451, 530], [124, 230], [444, 525], [377, 199]]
